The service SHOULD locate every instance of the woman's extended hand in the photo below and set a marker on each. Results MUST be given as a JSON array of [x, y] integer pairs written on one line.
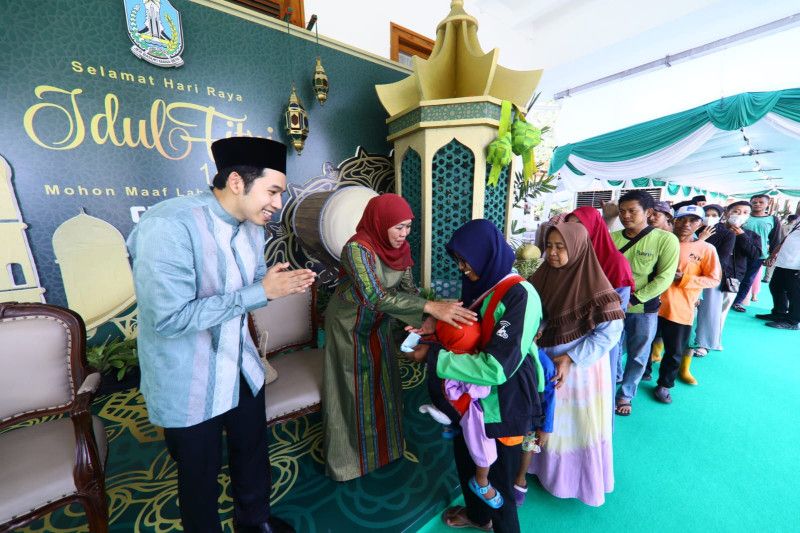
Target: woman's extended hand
[[562, 364], [454, 313]]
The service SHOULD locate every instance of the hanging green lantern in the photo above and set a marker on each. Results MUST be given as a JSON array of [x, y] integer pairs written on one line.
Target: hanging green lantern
[[320, 82], [296, 122]]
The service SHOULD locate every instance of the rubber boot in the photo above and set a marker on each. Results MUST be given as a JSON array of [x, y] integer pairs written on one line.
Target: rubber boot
[[656, 349], [684, 374]]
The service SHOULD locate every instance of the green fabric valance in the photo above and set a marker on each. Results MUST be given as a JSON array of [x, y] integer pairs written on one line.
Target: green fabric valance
[[770, 192], [730, 113]]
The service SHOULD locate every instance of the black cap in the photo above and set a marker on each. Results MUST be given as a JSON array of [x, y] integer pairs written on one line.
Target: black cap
[[699, 198], [250, 151]]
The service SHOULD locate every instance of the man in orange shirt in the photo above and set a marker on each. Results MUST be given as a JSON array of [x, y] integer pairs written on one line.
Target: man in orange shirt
[[698, 268]]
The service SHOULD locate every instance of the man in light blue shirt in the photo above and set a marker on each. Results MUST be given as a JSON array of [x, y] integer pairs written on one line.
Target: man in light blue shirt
[[198, 267]]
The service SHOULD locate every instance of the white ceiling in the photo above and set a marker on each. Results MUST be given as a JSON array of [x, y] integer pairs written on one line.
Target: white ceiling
[[707, 169], [577, 41]]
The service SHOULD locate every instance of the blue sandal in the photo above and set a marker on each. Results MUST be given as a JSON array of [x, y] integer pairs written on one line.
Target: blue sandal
[[495, 502]]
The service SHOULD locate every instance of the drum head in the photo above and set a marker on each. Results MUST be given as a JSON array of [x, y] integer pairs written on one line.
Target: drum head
[[340, 216]]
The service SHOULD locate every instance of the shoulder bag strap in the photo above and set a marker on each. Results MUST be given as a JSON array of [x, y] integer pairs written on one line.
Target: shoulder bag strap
[[487, 321], [642, 234]]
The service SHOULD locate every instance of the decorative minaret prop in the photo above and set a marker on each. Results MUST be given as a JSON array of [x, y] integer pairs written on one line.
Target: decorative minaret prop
[[441, 120], [19, 279]]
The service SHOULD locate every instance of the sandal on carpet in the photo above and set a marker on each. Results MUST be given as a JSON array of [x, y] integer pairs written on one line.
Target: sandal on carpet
[[621, 405], [519, 494], [662, 394], [700, 352], [456, 517], [739, 308], [495, 502]]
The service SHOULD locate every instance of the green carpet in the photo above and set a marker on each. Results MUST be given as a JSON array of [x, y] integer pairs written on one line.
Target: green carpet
[[141, 479], [721, 457]]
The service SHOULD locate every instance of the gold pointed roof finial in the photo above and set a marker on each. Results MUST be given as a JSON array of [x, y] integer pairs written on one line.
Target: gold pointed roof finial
[[457, 68], [457, 13]]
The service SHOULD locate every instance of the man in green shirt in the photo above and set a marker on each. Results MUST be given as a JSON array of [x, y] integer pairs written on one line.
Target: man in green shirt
[[653, 256], [769, 228]]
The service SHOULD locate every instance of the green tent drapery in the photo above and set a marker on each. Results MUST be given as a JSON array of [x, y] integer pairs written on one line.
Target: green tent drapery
[[672, 188], [770, 192], [728, 113]]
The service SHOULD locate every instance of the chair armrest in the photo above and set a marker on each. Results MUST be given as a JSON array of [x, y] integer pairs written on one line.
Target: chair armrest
[[85, 393], [91, 383]]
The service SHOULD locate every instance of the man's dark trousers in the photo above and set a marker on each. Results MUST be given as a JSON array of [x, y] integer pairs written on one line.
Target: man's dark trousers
[[198, 451], [676, 339], [753, 266], [785, 289]]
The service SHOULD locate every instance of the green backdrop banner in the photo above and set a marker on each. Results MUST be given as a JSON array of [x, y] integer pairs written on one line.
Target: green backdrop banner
[[87, 126]]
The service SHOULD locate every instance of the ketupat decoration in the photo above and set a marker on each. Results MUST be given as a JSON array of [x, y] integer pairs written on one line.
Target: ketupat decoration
[[521, 140], [501, 149], [525, 138], [499, 156]]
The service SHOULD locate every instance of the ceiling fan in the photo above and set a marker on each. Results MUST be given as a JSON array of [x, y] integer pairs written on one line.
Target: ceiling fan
[[749, 152], [758, 168]]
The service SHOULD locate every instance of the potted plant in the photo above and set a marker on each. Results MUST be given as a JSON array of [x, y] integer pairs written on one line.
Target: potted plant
[[118, 362]]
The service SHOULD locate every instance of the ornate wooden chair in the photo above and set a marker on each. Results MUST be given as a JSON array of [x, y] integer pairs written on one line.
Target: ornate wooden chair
[[48, 464], [285, 324]]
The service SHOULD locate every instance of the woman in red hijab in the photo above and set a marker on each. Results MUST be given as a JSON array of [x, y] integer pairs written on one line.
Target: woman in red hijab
[[614, 265], [362, 405]]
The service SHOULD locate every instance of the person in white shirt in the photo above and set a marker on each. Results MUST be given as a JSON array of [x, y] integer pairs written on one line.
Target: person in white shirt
[[785, 283]]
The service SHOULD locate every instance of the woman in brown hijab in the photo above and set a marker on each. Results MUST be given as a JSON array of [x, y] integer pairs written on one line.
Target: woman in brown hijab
[[584, 322]]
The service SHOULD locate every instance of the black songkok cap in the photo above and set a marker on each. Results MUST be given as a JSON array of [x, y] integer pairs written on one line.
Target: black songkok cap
[[250, 151]]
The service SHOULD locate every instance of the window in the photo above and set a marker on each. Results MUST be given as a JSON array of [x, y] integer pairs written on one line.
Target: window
[[16, 274], [277, 9], [592, 198], [655, 192], [404, 43]]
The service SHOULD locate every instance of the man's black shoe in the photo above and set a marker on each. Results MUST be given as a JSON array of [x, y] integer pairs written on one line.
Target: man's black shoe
[[768, 316], [783, 325], [272, 525]]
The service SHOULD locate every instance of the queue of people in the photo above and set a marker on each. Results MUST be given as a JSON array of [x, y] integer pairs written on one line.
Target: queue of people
[[526, 374]]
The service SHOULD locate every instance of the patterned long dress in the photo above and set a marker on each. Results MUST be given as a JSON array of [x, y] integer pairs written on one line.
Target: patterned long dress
[[578, 460], [362, 407]]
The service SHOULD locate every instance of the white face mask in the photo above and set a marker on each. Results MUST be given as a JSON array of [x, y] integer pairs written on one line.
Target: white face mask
[[711, 221], [738, 220]]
